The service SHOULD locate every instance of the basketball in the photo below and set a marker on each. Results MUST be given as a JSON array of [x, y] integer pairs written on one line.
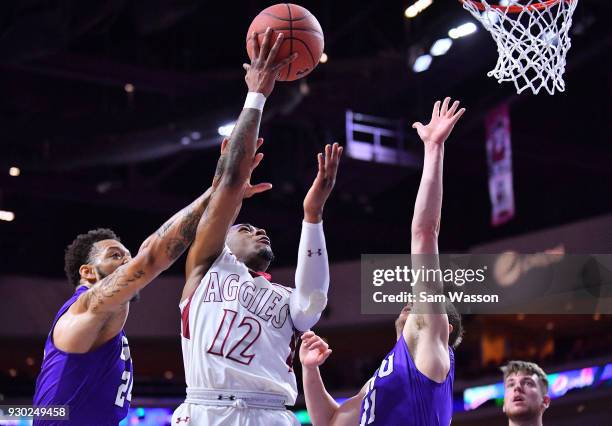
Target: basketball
[[302, 34]]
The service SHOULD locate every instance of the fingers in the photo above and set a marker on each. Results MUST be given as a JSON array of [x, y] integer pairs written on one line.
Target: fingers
[[310, 339], [319, 345], [265, 45], [307, 334], [315, 343], [335, 160], [260, 187], [255, 43], [417, 125], [259, 143], [321, 163], [246, 67], [452, 110], [258, 157], [444, 109], [274, 51], [324, 356], [457, 116], [436, 110], [285, 62], [334, 151]]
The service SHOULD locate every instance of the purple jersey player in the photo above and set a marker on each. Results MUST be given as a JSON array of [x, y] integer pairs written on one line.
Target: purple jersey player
[[103, 378], [87, 364], [414, 384]]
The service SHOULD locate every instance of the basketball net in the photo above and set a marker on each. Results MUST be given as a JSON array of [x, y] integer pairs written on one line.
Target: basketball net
[[532, 39]]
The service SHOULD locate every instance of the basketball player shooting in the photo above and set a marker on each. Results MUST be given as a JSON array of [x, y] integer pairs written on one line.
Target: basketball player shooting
[[413, 385], [87, 363], [239, 328]]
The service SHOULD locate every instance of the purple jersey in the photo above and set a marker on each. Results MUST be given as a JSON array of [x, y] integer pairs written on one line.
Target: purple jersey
[[96, 385], [399, 394]]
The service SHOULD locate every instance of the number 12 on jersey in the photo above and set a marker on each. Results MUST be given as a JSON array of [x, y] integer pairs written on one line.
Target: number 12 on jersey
[[249, 329]]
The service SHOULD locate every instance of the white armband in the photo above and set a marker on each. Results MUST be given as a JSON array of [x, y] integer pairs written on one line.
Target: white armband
[[255, 100], [311, 278]]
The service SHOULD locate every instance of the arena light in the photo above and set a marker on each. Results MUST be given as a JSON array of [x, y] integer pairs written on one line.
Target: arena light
[[416, 8], [324, 58], [441, 46], [7, 216], [226, 129], [422, 63], [463, 30], [14, 171], [128, 87]]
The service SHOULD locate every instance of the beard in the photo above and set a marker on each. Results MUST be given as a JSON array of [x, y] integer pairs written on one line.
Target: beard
[[266, 254], [101, 274]]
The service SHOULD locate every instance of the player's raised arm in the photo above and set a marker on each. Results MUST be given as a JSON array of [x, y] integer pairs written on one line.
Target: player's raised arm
[[322, 408], [195, 269], [428, 320], [235, 168], [312, 271]]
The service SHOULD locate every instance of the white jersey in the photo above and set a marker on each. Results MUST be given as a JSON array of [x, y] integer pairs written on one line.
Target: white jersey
[[237, 332]]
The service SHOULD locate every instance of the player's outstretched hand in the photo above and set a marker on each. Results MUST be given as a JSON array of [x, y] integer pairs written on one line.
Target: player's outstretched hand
[[264, 70], [313, 350], [249, 189], [323, 183], [443, 119]]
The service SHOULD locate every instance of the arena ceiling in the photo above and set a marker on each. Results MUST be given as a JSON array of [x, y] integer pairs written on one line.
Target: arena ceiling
[[93, 153]]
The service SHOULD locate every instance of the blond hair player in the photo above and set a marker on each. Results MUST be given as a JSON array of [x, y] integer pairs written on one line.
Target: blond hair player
[[239, 329], [525, 393]]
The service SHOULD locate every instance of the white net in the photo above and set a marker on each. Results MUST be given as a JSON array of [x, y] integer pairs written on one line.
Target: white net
[[532, 43]]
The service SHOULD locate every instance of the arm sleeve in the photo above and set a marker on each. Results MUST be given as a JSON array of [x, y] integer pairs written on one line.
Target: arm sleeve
[[311, 278]]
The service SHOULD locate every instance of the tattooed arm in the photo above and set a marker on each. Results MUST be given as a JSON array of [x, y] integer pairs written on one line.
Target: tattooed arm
[[235, 167], [100, 313], [156, 254]]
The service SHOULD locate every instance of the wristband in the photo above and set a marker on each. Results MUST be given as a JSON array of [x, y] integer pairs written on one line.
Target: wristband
[[255, 100]]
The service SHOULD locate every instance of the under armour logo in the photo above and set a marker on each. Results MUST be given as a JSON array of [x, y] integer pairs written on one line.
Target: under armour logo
[[310, 253], [180, 420], [229, 398]]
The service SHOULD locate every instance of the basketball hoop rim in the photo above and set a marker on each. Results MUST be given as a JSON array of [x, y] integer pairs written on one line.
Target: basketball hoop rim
[[516, 9]]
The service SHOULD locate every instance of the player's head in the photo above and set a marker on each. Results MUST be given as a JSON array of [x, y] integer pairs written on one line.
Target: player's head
[[526, 391], [93, 256], [251, 246], [455, 326]]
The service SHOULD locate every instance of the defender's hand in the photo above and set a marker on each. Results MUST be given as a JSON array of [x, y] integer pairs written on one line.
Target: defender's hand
[[323, 183], [263, 71], [249, 189], [442, 122], [313, 350]]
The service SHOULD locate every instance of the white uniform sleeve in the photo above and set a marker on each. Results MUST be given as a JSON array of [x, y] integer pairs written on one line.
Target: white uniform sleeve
[[311, 278]]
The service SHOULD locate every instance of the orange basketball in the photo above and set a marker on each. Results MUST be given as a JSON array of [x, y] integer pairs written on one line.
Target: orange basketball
[[302, 34]]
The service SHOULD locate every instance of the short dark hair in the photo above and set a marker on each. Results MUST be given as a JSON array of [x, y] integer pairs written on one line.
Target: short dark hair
[[454, 319], [79, 252], [527, 368]]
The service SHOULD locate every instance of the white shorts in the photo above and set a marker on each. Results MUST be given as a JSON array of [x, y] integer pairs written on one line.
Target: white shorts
[[209, 415]]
